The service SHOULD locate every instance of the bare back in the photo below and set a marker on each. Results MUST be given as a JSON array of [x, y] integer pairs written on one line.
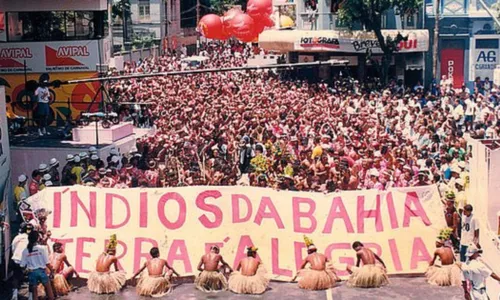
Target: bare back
[[104, 262], [249, 266], [57, 261], [211, 261], [446, 255], [317, 261], [367, 256], [156, 266]]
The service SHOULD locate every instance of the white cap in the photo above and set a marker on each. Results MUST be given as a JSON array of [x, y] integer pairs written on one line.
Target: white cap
[[53, 162], [460, 181], [70, 157], [42, 167], [46, 177], [48, 183], [22, 178], [472, 249], [113, 152], [461, 164], [115, 159], [92, 149], [77, 159], [94, 157], [374, 172], [83, 155]]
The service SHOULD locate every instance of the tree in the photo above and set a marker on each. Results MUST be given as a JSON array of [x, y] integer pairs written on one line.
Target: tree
[[221, 6], [121, 9], [369, 14]]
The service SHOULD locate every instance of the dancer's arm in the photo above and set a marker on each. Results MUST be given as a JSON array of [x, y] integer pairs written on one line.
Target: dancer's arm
[[139, 271], [380, 260], [173, 271], [200, 265], [65, 259], [225, 264]]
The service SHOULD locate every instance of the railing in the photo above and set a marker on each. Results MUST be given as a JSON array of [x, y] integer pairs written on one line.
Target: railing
[[137, 54]]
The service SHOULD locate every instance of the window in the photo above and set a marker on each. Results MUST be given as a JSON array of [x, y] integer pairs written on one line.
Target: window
[[410, 21], [56, 25], [144, 10]]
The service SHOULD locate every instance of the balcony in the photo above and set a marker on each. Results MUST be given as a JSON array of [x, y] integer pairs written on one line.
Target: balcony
[[318, 21]]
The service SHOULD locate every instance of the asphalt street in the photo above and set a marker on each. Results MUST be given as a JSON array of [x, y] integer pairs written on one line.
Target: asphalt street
[[399, 289]]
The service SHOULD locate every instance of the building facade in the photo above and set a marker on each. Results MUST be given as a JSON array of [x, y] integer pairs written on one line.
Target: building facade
[[468, 41], [317, 34]]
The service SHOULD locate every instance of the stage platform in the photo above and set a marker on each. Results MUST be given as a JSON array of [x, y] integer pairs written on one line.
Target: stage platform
[[90, 134], [400, 289]]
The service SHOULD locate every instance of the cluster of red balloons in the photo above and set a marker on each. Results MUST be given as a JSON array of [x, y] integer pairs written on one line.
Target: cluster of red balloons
[[246, 27]]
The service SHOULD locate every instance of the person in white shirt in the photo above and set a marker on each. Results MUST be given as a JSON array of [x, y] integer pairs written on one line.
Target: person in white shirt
[[43, 109], [470, 231], [470, 111], [36, 259], [476, 272], [19, 243]]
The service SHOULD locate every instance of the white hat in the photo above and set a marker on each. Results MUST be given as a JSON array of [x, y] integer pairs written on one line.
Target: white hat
[[70, 157], [42, 167], [472, 249], [22, 178], [53, 162], [374, 172], [460, 181], [461, 164], [48, 183], [92, 149], [77, 159], [455, 169], [46, 177], [115, 159], [94, 157], [83, 155], [113, 152]]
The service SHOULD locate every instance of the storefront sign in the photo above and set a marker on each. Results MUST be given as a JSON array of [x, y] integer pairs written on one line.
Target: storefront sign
[[40, 57], [484, 63], [452, 65], [400, 225]]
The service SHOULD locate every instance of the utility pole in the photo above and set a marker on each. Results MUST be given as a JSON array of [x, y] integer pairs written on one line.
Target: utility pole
[[435, 45], [197, 22]]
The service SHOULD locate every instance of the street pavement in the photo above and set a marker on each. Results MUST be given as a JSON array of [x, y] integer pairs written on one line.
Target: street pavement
[[399, 289]]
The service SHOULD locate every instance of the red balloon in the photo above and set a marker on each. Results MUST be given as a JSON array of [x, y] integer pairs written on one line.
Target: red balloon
[[259, 9], [244, 28], [228, 18], [210, 26]]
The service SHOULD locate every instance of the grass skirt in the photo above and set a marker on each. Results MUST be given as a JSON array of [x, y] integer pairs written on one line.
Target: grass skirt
[[242, 284], [106, 283], [449, 275], [61, 285], [209, 281], [153, 286], [317, 280], [368, 276]]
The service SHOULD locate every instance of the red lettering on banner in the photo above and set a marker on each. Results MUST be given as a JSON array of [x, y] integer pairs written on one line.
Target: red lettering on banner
[[109, 211], [265, 203], [235, 201], [419, 253], [363, 214], [179, 245], [241, 252], [338, 211], [122, 254], [299, 258], [275, 256], [200, 203], [80, 254], [395, 255], [57, 210], [392, 210], [298, 214], [419, 211], [182, 210], [91, 213], [138, 254], [143, 210], [348, 260]]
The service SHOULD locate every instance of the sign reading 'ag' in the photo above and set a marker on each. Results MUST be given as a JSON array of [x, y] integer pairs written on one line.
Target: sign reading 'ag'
[[491, 56]]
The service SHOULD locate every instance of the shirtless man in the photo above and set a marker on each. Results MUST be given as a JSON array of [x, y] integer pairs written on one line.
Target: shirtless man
[[211, 278], [448, 273], [452, 219], [250, 277], [57, 260], [102, 280], [369, 275], [156, 283], [320, 276]]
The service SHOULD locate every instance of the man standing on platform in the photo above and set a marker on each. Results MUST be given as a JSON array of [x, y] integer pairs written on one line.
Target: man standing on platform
[[102, 280], [156, 283], [321, 275], [369, 275], [43, 108], [210, 278], [470, 231], [250, 276]]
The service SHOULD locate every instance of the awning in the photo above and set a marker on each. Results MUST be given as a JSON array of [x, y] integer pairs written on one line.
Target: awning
[[339, 40]]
